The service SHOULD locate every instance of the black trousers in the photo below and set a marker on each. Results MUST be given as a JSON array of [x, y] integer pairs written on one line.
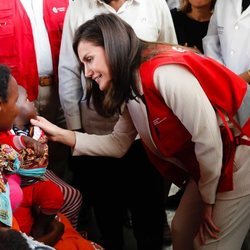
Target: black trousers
[[111, 185]]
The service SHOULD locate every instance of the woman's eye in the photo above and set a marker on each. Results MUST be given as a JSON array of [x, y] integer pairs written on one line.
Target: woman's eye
[[89, 59]]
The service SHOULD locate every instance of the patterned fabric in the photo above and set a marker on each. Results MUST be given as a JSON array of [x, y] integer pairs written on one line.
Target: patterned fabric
[[72, 198], [33, 167], [9, 162], [5, 207]]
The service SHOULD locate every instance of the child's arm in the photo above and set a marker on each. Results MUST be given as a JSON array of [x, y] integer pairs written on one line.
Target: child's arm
[[33, 144]]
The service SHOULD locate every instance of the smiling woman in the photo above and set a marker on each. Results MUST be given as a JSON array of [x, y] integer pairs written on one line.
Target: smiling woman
[[95, 64], [166, 83], [152, 21], [114, 59]]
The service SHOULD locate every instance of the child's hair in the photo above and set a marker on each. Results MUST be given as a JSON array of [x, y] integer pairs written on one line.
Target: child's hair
[[12, 240], [4, 80]]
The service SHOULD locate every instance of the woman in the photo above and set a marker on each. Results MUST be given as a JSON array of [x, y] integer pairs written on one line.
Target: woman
[[191, 21], [166, 104], [152, 21]]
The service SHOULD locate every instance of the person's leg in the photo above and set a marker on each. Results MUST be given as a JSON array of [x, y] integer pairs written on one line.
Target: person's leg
[[187, 218], [144, 189], [47, 199], [72, 198], [99, 179], [233, 219]]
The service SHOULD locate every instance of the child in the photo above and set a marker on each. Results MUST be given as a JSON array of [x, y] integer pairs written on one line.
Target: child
[[44, 194], [59, 233], [38, 192], [9, 159]]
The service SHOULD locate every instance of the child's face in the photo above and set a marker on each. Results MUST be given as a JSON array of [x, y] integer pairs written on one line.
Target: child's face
[[26, 107], [9, 109]]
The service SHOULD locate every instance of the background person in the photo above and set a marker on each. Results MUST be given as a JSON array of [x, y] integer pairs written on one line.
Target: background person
[[228, 35]]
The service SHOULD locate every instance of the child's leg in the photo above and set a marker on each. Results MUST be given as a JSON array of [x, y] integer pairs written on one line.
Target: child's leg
[[48, 198], [72, 198]]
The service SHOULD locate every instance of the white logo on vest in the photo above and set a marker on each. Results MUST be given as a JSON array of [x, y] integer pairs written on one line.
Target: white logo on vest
[[59, 9]]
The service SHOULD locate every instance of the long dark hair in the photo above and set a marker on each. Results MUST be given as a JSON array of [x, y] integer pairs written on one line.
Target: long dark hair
[[123, 49]]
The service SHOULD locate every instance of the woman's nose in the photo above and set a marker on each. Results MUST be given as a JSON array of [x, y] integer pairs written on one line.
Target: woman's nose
[[88, 72]]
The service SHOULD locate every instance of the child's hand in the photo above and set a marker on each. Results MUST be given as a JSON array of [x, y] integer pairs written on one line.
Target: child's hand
[[35, 145]]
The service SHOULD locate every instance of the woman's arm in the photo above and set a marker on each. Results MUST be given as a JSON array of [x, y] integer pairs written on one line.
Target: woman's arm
[[115, 144], [54, 132]]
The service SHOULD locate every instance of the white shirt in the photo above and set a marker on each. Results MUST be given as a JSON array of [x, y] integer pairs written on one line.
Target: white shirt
[[34, 10], [172, 4], [228, 36], [151, 21]]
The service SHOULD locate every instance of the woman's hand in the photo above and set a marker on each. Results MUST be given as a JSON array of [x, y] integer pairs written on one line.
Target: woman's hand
[[207, 226], [49, 128], [54, 132]]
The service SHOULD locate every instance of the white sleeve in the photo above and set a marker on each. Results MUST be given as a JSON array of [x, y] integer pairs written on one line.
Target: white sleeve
[[185, 97], [211, 42], [70, 88], [113, 145], [167, 31]]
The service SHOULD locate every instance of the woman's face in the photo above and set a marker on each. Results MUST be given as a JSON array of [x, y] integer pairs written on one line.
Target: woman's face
[[27, 108], [9, 109], [95, 64]]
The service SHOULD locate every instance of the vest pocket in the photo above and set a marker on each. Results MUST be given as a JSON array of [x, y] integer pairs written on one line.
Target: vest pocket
[[7, 36]]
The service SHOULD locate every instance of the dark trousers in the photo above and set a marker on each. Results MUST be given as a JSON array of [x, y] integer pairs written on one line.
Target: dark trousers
[[111, 185]]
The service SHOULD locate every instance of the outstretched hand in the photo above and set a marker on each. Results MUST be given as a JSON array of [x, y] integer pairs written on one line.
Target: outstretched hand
[[54, 132], [207, 226], [49, 128]]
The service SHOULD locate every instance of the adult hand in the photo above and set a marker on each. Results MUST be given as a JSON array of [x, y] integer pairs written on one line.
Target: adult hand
[[54, 132], [49, 128], [207, 226]]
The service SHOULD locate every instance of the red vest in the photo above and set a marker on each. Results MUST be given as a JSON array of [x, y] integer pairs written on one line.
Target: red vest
[[226, 92], [16, 40]]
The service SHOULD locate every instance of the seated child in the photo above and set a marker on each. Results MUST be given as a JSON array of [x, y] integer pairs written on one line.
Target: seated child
[[8, 112], [36, 166], [11, 162], [61, 231], [38, 192]]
